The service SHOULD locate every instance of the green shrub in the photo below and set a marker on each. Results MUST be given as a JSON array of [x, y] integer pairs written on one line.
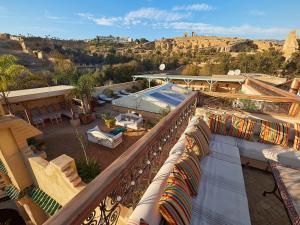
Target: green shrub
[[150, 123], [108, 120], [108, 92], [87, 170]]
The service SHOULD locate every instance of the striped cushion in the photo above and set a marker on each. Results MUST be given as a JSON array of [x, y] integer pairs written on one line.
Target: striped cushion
[[189, 167], [217, 123], [275, 133], [202, 126], [175, 205], [195, 141], [242, 128], [297, 136]]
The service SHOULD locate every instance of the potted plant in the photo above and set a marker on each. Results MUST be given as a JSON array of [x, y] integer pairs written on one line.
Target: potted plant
[[83, 89], [108, 120]]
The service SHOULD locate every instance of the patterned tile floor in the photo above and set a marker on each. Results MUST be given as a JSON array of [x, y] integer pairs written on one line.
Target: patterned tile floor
[[263, 210]]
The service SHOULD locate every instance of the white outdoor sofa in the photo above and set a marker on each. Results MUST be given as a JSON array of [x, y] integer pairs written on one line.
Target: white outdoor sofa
[[221, 195], [97, 136], [129, 120], [254, 153]]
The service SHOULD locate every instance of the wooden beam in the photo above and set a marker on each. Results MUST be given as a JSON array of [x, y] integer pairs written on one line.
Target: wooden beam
[[265, 98], [272, 89]]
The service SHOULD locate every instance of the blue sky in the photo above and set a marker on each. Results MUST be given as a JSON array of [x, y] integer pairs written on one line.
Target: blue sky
[[152, 19]]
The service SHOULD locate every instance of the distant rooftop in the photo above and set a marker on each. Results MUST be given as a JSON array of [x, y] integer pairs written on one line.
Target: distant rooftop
[[36, 93], [214, 78], [154, 100]]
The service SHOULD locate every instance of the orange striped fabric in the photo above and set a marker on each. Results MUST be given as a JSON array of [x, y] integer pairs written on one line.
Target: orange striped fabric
[[189, 167], [195, 141], [275, 133], [242, 128], [217, 123], [297, 137], [202, 126], [175, 205]]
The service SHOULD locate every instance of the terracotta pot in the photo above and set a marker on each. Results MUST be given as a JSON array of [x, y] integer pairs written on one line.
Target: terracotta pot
[[75, 122], [87, 118]]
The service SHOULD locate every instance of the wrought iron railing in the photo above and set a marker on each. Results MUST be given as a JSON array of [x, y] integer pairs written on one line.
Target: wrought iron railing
[[126, 179]]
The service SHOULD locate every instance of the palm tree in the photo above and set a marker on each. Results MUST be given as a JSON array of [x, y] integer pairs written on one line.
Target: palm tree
[[9, 72]]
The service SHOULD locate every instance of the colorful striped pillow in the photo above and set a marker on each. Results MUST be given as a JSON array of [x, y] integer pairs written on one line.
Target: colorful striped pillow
[[217, 123], [202, 126], [297, 136], [275, 133], [175, 205], [189, 167], [195, 141], [242, 128]]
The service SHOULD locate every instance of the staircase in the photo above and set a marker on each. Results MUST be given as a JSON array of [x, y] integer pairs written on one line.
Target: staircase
[[67, 166]]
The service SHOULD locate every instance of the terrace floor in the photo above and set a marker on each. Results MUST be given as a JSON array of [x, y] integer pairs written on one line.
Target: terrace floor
[[62, 139], [263, 210]]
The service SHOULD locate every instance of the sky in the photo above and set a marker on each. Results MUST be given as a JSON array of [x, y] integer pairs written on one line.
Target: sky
[[151, 19]]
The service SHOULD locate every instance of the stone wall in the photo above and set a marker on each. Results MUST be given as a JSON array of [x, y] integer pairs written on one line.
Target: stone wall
[[58, 178], [117, 87]]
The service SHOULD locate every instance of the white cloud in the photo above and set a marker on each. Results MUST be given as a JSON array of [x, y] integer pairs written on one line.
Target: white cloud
[[52, 17], [233, 30], [102, 21], [193, 7], [140, 16], [257, 13], [154, 14]]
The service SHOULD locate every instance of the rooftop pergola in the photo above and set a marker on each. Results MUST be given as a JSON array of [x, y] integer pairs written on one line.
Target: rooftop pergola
[[211, 80]]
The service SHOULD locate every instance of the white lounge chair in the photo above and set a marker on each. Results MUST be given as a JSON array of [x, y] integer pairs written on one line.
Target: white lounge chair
[[100, 102], [104, 98], [124, 92], [97, 136], [117, 93], [129, 120]]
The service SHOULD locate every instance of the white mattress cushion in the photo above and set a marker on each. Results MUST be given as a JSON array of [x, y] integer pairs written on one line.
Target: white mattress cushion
[[225, 152], [224, 139], [285, 156], [253, 150], [224, 149], [148, 208], [221, 196]]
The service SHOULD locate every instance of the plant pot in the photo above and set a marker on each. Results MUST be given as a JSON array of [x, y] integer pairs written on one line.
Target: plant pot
[[87, 118], [75, 122]]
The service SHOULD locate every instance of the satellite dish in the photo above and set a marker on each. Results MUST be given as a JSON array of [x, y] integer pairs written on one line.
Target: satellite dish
[[162, 67], [237, 72], [231, 72]]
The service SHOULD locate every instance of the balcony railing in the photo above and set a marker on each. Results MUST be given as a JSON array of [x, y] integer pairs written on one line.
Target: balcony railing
[[126, 179]]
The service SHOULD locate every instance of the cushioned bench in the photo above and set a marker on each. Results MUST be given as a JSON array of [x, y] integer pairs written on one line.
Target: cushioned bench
[[221, 195], [253, 150]]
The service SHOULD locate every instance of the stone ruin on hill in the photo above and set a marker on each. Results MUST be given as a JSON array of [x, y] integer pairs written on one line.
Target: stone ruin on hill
[[291, 45]]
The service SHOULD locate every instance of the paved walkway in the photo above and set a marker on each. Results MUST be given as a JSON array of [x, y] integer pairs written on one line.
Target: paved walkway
[[263, 210]]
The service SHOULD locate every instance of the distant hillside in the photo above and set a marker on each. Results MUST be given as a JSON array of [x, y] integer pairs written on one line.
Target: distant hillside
[[220, 44]]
